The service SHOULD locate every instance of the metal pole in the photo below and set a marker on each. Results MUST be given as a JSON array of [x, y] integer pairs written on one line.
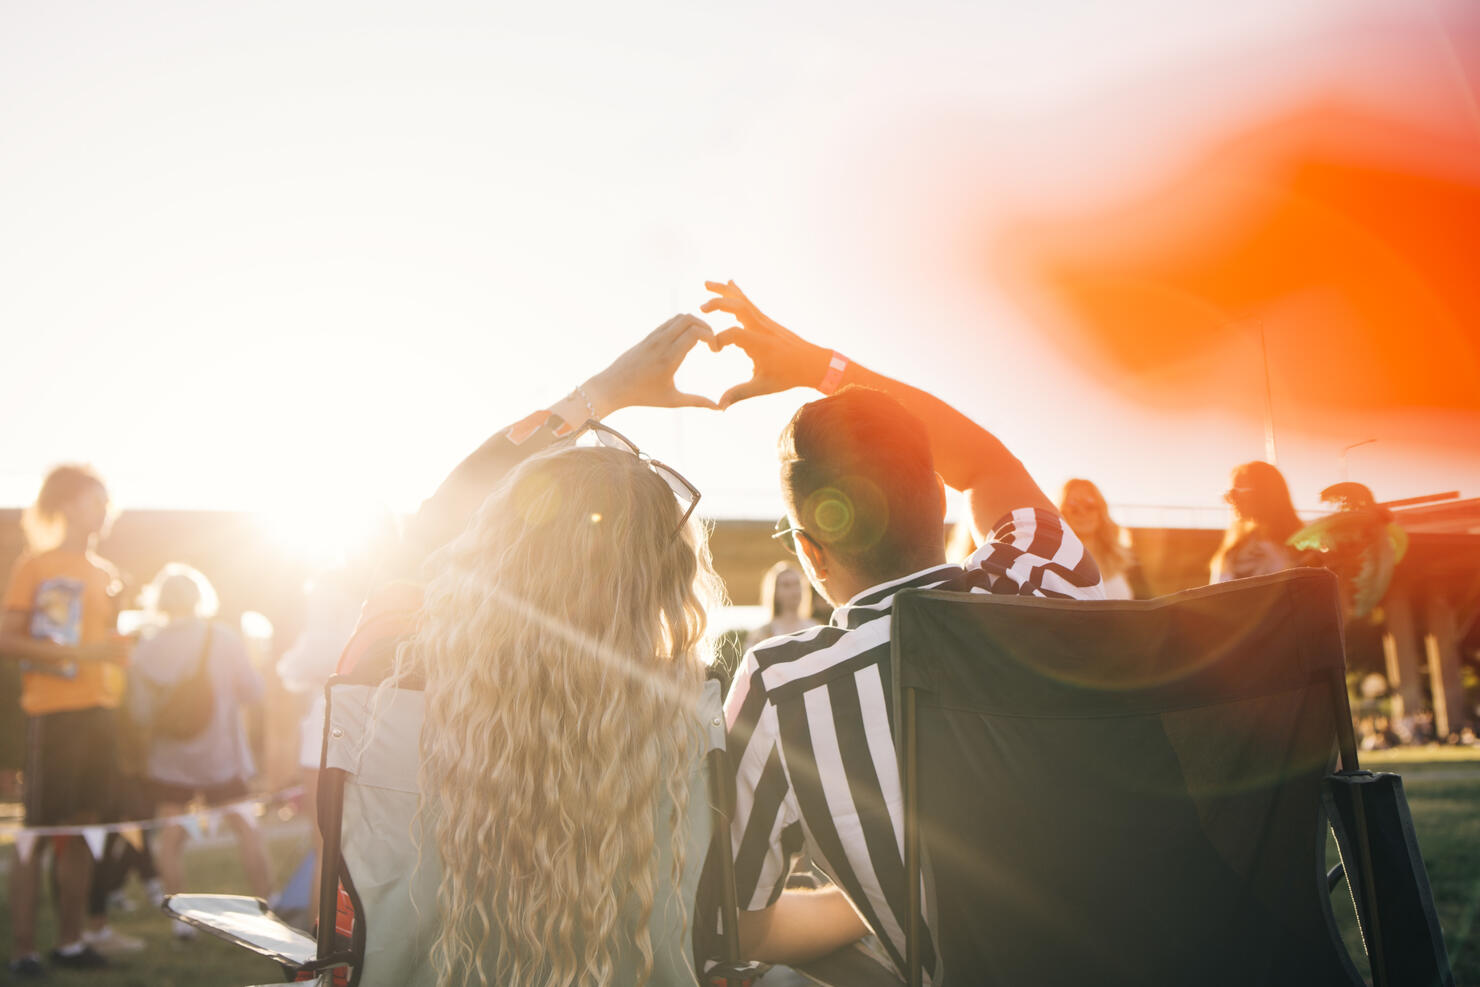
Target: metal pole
[[911, 838], [1346, 742], [1271, 453], [720, 789], [1345, 474]]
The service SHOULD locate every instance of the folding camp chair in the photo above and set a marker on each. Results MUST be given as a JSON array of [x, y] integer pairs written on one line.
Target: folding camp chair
[[377, 930], [1132, 792], [367, 801]]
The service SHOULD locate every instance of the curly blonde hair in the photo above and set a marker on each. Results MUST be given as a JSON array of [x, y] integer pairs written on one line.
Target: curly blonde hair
[[563, 647]]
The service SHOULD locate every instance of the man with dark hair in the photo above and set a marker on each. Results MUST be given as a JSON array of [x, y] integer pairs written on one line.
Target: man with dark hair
[[863, 473], [856, 473]]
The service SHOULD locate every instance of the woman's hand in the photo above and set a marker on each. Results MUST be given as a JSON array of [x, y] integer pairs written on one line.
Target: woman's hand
[[782, 359], [643, 376]]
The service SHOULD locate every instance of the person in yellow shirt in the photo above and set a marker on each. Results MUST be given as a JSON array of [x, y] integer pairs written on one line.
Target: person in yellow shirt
[[59, 621]]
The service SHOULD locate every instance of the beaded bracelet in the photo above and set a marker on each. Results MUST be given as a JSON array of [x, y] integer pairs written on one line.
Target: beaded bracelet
[[581, 390]]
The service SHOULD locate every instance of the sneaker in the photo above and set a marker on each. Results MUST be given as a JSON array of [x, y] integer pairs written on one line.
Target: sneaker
[[184, 931], [118, 901], [85, 958], [155, 890], [28, 968], [110, 942]]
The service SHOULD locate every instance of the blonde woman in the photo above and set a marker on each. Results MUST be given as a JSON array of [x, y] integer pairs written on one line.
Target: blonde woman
[[1084, 508], [560, 640], [787, 597], [562, 648]]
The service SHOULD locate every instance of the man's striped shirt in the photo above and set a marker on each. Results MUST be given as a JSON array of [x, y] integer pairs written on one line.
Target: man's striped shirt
[[811, 739]]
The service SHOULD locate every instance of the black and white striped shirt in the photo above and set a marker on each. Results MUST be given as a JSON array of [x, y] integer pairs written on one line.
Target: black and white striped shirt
[[810, 733]]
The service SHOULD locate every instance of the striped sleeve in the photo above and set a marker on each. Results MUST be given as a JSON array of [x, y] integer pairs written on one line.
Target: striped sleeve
[[1032, 552], [766, 832]]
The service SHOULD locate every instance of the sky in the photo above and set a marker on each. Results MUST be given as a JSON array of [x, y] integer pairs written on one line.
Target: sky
[[301, 258]]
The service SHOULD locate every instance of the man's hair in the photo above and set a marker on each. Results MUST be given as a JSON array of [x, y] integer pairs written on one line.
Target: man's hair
[[857, 474]]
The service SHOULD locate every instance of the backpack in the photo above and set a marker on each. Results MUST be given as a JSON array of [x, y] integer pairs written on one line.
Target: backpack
[[185, 711]]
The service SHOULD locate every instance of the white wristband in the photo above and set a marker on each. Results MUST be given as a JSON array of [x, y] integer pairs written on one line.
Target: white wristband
[[834, 375], [581, 390]]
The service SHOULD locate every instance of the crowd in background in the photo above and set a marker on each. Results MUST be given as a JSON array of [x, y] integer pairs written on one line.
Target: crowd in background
[[90, 693]]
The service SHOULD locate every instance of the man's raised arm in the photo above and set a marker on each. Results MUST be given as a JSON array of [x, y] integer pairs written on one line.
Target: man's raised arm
[[967, 456]]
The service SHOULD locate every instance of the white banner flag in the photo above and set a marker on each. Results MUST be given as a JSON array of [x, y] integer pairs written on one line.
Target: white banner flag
[[245, 811], [135, 837], [94, 836]]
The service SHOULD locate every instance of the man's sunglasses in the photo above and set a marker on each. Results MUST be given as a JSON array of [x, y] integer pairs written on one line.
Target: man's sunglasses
[[686, 492], [787, 534]]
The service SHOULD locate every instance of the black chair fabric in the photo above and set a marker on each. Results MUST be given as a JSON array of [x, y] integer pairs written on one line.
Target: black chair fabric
[[1127, 792], [1412, 941]]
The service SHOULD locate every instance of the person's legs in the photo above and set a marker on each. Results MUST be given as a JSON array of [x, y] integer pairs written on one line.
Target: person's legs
[[97, 800], [254, 854], [109, 871], [137, 802], [66, 784], [25, 880], [248, 836], [74, 869], [142, 860], [25, 876], [169, 849]]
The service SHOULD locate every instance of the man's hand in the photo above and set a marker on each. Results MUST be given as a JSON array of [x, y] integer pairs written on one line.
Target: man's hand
[[643, 376], [782, 359]]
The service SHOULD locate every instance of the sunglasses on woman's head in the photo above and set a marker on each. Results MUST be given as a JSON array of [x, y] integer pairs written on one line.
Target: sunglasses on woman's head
[[687, 494]]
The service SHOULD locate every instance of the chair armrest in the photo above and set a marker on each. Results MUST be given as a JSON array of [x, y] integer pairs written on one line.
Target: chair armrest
[[246, 921]]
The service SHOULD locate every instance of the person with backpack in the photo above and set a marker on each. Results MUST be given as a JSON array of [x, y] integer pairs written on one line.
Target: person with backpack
[[187, 687]]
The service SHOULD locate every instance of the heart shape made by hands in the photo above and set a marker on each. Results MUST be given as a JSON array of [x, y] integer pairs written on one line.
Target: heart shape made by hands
[[711, 373]]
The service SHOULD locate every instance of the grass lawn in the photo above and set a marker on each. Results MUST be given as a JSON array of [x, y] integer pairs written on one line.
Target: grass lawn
[[1443, 793], [204, 962]]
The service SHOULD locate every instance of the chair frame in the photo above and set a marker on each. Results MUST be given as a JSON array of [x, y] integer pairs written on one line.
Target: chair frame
[[329, 954], [732, 972]]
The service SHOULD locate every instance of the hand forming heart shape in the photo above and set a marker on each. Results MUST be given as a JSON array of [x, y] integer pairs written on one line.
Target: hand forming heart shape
[[713, 370]]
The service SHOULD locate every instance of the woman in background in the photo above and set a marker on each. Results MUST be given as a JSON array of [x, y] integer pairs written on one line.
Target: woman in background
[[787, 597], [60, 620], [1084, 508], [1263, 520], [216, 763]]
